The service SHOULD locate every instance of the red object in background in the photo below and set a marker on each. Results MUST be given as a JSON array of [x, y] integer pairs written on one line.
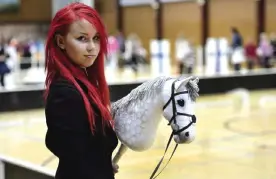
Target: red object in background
[[250, 51]]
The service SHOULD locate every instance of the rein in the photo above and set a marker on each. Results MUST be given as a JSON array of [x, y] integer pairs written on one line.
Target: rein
[[174, 132]]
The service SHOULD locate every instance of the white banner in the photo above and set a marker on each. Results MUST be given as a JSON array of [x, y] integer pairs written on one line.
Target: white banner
[[172, 1], [148, 2], [135, 2], [160, 57]]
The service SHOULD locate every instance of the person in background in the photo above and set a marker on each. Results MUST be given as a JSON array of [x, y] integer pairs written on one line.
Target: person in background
[[250, 53], [181, 47], [273, 44], [12, 62], [80, 128], [134, 46], [189, 58], [112, 55], [3, 65], [265, 51], [26, 55], [11, 50], [122, 48], [237, 49]]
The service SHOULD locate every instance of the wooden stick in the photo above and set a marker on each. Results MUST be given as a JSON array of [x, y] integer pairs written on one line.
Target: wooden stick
[[120, 153]]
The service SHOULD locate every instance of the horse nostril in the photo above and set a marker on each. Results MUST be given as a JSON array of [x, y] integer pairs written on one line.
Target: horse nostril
[[187, 134]]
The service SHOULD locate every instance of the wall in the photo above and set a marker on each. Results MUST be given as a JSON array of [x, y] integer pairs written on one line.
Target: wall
[[270, 16], [225, 14], [108, 14], [30, 11], [141, 21], [181, 18]]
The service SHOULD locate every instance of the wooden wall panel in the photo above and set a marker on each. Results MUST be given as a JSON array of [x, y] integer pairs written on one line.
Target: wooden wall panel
[[30, 11], [141, 21], [108, 14], [270, 16], [225, 14], [184, 18]]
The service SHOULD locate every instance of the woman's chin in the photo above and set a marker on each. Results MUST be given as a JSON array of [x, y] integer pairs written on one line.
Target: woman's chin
[[88, 64]]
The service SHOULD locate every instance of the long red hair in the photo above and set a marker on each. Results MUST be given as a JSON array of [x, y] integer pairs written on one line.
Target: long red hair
[[58, 64]]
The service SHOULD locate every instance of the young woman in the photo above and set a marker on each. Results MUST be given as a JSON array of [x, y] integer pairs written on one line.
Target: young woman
[[80, 128]]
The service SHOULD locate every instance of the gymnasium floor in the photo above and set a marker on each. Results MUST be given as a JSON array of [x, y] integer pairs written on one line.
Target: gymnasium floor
[[235, 139]]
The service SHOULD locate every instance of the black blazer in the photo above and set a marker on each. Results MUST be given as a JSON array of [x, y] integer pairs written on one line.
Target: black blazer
[[81, 154]]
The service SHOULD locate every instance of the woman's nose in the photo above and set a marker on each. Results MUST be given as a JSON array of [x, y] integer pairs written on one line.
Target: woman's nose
[[90, 45]]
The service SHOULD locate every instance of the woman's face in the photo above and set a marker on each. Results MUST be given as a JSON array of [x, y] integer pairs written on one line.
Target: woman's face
[[81, 43]]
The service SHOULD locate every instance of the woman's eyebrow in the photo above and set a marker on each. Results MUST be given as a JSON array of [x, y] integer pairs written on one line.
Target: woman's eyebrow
[[83, 33]]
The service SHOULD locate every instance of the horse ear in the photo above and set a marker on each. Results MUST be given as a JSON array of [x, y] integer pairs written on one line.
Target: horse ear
[[195, 80], [182, 82]]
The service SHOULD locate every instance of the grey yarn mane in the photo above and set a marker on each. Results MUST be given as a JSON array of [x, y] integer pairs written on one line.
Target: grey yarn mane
[[145, 90], [150, 88]]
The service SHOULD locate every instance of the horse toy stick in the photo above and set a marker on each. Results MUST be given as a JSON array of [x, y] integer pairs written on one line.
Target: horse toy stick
[[138, 114], [120, 153]]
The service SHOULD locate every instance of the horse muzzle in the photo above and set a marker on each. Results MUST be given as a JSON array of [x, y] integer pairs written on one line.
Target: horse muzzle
[[186, 136]]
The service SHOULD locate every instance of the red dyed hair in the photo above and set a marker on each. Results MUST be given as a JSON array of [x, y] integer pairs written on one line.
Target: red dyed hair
[[58, 64]]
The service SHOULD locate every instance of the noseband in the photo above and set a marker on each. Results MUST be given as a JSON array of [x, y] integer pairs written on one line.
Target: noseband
[[176, 113], [174, 132]]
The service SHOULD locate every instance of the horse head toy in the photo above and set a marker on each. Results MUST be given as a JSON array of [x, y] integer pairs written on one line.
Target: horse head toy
[[137, 115]]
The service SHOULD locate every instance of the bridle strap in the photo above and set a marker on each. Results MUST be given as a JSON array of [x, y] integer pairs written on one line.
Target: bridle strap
[[173, 119], [186, 127], [173, 95], [183, 129], [159, 164], [168, 144]]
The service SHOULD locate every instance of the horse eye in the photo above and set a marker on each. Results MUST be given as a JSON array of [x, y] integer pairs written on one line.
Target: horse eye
[[181, 102]]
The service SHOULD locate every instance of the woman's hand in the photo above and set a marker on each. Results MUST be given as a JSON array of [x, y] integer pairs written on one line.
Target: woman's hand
[[115, 168]]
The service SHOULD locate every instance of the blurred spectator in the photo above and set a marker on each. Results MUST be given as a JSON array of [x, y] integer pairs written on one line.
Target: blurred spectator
[[135, 51], [250, 53], [3, 66], [237, 49], [237, 40], [264, 51], [189, 58], [26, 55], [273, 44], [122, 48], [11, 50], [113, 49], [185, 55], [181, 45]]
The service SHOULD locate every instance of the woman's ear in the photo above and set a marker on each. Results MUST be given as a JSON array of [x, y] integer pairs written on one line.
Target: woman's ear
[[60, 41]]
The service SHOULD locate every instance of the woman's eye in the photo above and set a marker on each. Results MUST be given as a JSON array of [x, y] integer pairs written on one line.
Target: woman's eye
[[96, 38], [181, 102], [82, 38]]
